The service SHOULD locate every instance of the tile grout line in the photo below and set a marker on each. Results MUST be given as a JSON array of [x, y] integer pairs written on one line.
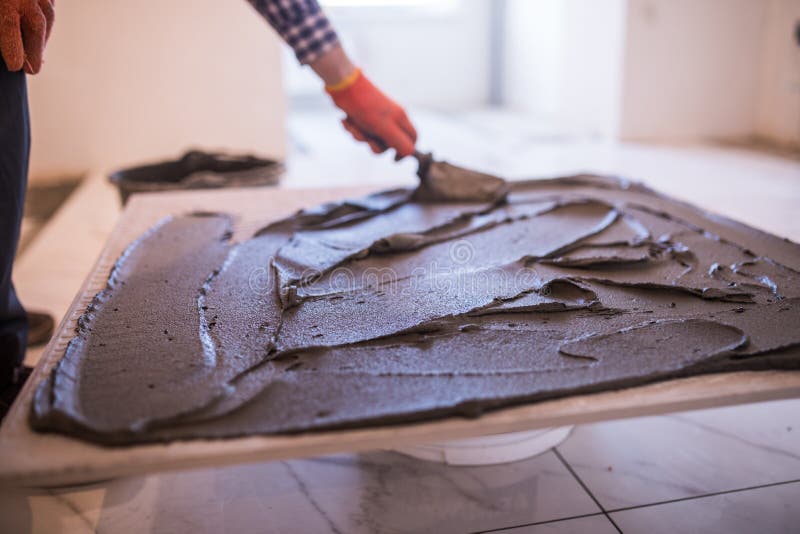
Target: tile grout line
[[536, 523], [585, 488], [714, 494]]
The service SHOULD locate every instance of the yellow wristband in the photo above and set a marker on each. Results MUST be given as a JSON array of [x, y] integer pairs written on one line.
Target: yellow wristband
[[349, 80]]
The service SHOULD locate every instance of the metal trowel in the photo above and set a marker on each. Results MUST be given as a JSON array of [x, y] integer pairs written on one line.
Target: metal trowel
[[441, 181]]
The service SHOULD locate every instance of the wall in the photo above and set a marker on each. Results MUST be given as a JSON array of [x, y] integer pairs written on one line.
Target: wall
[[433, 55], [564, 61], [534, 37], [657, 70], [128, 81], [778, 114], [691, 69]]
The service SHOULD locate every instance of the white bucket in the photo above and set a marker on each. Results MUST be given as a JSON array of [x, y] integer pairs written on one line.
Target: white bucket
[[488, 450]]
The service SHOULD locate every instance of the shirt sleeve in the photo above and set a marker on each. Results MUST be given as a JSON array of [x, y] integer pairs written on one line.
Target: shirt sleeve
[[302, 24]]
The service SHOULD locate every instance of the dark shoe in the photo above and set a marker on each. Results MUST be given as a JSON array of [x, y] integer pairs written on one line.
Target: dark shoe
[[8, 394], [40, 328]]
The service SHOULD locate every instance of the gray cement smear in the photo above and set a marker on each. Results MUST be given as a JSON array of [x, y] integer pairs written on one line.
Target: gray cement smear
[[407, 306]]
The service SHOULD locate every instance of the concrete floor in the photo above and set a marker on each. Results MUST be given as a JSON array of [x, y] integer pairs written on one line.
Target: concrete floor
[[735, 469]]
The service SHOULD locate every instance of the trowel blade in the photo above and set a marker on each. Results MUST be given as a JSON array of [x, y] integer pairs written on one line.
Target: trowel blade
[[440, 181]]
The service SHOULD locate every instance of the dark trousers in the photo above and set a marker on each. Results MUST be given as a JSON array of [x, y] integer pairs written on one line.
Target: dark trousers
[[14, 150]]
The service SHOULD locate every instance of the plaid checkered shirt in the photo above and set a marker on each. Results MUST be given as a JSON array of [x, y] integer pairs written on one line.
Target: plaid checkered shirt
[[302, 24]]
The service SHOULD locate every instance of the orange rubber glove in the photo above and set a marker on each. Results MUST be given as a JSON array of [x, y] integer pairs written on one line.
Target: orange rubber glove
[[372, 117], [24, 29]]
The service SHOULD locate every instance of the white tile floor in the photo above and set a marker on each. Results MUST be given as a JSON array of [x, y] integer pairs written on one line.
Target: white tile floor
[[769, 509], [735, 469], [651, 459], [596, 524], [736, 473]]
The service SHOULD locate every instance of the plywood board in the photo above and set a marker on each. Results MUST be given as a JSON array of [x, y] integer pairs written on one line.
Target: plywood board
[[31, 459]]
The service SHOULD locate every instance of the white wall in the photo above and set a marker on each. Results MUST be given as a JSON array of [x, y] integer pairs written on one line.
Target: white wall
[[127, 81], [564, 60], [778, 114], [657, 70], [433, 55], [691, 69], [533, 43]]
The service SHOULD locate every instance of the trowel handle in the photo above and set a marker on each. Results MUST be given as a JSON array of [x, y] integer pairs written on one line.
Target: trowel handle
[[424, 159], [377, 140]]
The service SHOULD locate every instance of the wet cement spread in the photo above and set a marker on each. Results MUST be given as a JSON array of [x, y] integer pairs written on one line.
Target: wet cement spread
[[411, 304]]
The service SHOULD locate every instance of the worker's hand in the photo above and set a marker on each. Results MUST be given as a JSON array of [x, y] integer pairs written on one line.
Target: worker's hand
[[24, 29], [372, 117]]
